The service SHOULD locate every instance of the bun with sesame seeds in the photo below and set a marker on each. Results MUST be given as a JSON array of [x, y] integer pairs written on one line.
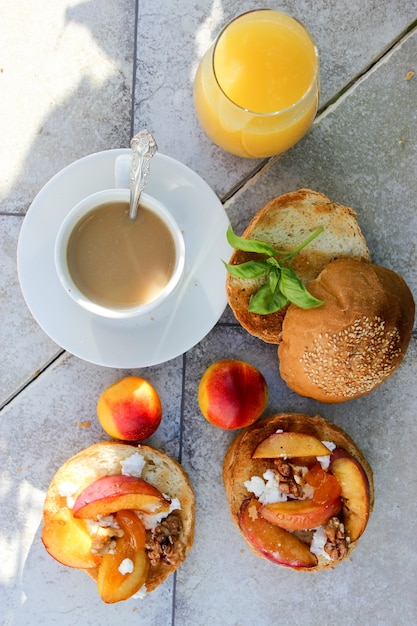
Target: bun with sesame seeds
[[353, 342], [285, 222], [269, 465]]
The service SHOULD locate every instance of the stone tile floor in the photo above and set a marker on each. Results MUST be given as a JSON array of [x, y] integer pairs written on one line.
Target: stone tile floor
[[81, 77]]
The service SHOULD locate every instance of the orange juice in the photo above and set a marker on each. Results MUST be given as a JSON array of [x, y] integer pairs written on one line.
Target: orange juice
[[256, 90]]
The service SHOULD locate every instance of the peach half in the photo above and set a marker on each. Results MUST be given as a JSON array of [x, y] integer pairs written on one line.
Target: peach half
[[232, 394], [109, 494], [130, 409]]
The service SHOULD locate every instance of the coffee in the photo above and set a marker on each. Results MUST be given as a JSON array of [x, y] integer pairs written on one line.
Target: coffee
[[117, 262]]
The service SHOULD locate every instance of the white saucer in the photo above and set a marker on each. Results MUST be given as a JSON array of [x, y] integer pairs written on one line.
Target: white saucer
[[183, 320]]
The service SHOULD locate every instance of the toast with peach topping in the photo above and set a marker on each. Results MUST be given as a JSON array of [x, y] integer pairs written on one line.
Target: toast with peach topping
[[125, 514], [299, 490]]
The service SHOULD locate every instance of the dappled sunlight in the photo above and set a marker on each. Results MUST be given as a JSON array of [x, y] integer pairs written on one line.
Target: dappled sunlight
[[207, 32], [46, 80]]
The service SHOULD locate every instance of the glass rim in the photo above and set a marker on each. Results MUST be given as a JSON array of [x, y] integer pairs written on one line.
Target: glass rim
[[306, 94]]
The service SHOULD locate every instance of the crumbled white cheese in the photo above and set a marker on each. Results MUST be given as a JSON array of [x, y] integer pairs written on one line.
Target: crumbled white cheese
[[325, 459], [318, 543], [151, 521], [267, 490], [126, 567], [66, 490], [140, 594], [133, 465]]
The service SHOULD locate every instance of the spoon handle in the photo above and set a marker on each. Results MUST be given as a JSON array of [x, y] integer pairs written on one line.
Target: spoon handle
[[144, 147]]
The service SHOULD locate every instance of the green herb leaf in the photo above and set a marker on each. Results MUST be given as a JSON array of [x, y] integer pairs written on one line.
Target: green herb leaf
[[249, 245], [282, 285], [264, 301], [250, 269], [293, 288]]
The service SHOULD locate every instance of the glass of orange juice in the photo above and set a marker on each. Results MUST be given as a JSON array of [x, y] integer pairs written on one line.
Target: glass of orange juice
[[256, 90]]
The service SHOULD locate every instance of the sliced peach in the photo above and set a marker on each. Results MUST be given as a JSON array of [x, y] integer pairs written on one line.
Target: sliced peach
[[288, 445], [355, 492], [274, 543], [113, 583], [68, 540], [300, 514], [110, 494]]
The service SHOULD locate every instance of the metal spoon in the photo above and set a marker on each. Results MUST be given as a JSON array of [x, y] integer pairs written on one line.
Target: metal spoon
[[144, 147]]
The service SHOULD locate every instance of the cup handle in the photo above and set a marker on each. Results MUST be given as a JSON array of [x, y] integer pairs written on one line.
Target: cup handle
[[122, 171]]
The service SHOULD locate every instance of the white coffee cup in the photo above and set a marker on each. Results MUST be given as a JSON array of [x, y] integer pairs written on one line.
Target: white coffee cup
[[85, 209]]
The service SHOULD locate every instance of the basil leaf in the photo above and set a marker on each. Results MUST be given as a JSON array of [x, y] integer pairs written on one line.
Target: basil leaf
[[264, 301], [294, 289], [250, 269], [249, 245], [273, 279]]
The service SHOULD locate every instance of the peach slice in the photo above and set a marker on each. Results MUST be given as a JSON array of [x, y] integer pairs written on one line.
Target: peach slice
[[68, 540], [274, 543], [288, 445], [300, 514], [115, 584], [110, 494], [355, 492]]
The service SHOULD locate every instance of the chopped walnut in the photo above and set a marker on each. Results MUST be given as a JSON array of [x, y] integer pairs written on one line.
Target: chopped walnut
[[163, 544], [103, 540], [337, 543], [290, 479]]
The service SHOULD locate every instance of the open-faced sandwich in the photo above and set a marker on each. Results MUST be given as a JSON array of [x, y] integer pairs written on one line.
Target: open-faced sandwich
[[123, 513], [299, 490], [286, 222]]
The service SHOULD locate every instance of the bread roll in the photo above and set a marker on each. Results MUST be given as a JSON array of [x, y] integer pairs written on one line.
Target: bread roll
[[160, 470], [285, 222], [353, 342], [240, 466]]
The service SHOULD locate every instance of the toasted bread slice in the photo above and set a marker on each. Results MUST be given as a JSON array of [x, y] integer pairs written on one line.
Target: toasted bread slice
[[160, 470], [285, 222], [239, 467]]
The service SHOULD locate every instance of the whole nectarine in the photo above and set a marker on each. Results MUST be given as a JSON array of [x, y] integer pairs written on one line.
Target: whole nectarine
[[232, 394], [130, 409]]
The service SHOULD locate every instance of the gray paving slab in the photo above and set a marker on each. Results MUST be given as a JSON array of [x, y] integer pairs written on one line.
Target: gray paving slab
[[350, 37]]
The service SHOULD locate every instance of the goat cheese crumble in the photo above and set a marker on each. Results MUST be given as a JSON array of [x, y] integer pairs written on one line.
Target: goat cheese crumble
[[66, 490], [126, 567], [267, 490], [318, 542], [325, 460], [133, 465]]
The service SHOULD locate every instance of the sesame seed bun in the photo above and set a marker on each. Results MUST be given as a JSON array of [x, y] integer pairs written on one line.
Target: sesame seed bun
[[240, 466], [355, 340], [160, 470], [285, 222]]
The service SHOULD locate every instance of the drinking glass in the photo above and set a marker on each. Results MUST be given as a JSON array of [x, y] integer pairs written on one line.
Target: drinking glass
[[256, 90]]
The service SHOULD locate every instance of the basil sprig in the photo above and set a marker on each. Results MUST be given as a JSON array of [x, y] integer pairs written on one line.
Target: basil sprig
[[282, 285]]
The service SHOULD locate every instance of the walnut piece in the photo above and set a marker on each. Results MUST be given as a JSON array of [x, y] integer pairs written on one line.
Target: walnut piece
[[290, 479], [163, 543], [337, 543]]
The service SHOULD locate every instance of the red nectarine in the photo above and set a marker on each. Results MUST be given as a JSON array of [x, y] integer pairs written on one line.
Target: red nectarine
[[232, 394], [130, 409]]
